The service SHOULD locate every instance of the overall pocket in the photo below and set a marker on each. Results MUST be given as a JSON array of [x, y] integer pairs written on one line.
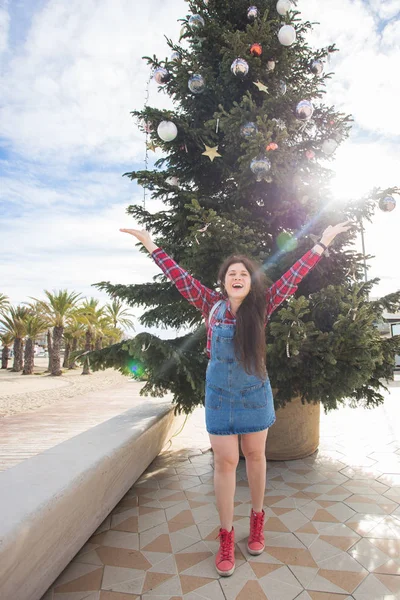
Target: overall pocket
[[213, 398], [254, 396]]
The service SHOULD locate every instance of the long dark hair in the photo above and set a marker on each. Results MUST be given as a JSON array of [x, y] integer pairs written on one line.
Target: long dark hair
[[249, 340]]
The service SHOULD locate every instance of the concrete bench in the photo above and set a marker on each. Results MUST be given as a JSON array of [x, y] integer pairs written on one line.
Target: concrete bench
[[66, 492]]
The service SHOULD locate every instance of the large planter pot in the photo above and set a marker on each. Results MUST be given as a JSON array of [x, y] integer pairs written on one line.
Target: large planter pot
[[295, 434]]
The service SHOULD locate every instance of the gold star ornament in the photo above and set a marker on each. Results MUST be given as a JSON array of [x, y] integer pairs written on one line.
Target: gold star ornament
[[261, 86], [211, 152], [151, 146]]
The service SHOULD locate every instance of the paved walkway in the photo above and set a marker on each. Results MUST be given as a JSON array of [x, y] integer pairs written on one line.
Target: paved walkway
[[332, 523]]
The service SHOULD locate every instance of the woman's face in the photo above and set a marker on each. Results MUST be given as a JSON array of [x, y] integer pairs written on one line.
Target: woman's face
[[237, 281]]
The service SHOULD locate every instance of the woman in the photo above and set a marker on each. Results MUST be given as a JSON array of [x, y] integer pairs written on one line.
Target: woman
[[238, 396]]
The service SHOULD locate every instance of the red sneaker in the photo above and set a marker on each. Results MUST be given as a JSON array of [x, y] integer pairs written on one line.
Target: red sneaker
[[225, 559], [255, 544]]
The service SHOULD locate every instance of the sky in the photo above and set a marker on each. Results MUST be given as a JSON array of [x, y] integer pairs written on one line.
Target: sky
[[71, 72]]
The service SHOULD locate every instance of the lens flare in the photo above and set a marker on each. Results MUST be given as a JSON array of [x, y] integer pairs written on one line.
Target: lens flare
[[286, 242], [137, 369]]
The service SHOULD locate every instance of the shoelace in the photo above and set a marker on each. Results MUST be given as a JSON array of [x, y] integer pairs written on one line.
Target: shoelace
[[257, 525], [225, 545]]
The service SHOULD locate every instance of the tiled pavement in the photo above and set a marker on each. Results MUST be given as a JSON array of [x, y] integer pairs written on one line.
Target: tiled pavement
[[332, 523]]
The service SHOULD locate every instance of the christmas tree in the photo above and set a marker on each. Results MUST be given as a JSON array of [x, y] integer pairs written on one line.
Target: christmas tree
[[244, 171]]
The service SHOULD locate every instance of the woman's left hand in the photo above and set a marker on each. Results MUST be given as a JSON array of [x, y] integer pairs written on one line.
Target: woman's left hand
[[332, 231]]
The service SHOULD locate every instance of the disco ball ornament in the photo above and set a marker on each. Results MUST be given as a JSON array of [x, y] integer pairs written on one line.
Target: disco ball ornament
[[174, 181], [329, 146], [196, 84], [387, 204], [287, 35], [256, 49], [161, 75], [283, 6], [248, 129], [240, 67], [317, 67], [282, 87], [196, 21], [167, 131], [261, 168], [176, 56], [271, 66], [252, 13], [304, 110]]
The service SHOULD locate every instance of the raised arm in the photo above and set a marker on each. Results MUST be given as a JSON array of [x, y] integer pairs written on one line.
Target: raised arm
[[202, 297], [288, 283]]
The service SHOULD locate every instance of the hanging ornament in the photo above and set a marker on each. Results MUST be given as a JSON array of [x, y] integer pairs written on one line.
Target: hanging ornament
[[261, 167], [283, 6], [261, 86], [256, 49], [167, 131], [282, 87], [151, 146], [205, 2], [272, 146], [174, 181], [304, 110], [196, 84], [182, 32], [387, 204], [161, 75], [329, 146], [248, 129], [271, 66], [317, 67], [310, 154], [252, 13], [211, 152], [176, 56], [287, 35], [240, 67], [196, 21]]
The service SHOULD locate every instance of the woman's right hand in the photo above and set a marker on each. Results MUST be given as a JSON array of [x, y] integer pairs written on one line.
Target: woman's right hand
[[143, 236]]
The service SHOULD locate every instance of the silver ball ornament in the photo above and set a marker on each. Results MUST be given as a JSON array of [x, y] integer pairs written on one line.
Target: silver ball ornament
[[329, 146], [252, 13], [287, 35], [283, 6], [317, 67], [176, 56], [271, 66], [196, 84], [387, 204], [173, 181], [167, 131], [282, 87], [161, 75], [248, 129], [240, 67], [261, 167], [196, 21], [304, 110]]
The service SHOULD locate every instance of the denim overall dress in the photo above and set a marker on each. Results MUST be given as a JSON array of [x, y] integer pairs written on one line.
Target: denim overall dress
[[235, 402]]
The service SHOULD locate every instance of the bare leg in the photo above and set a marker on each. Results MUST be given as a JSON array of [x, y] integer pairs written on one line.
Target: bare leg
[[253, 448], [226, 458]]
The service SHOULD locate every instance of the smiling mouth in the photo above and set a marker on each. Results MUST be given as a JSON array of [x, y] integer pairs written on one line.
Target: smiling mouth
[[237, 286]]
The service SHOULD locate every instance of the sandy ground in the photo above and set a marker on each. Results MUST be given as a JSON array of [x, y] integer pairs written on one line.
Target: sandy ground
[[21, 393]]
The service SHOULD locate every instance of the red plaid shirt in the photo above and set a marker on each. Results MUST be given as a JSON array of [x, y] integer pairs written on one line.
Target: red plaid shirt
[[204, 299]]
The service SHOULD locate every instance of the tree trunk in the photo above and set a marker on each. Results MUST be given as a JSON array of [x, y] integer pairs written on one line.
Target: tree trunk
[[49, 349], [55, 355], [66, 355], [99, 343], [5, 357], [18, 350], [72, 364], [88, 344], [28, 357]]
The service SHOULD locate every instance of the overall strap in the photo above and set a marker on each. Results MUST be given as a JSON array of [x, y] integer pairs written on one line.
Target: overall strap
[[214, 308]]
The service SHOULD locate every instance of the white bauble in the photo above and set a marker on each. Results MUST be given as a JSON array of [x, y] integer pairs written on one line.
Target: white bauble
[[283, 6], [167, 131], [174, 181], [329, 146], [287, 35]]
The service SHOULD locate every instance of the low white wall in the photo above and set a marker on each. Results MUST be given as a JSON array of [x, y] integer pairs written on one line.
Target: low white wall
[[66, 492]]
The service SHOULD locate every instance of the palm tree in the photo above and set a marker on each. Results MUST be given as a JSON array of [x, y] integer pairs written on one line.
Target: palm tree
[[14, 323], [7, 339], [57, 310], [90, 315], [73, 334], [35, 324], [119, 315], [4, 303]]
